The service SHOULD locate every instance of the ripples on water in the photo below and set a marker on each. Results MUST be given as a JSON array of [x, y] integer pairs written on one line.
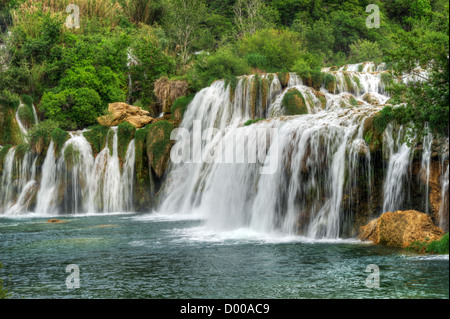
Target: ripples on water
[[152, 256]]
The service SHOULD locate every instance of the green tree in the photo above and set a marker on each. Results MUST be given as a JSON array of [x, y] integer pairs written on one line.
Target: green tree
[[253, 15], [182, 22], [427, 100], [280, 47], [365, 50]]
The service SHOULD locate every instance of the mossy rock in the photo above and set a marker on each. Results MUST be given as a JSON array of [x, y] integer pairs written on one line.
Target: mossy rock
[[322, 98], [142, 193], [59, 137], [329, 81], [294, 103], [26, 116], [125, 133], [158, 145], [254, 94], [372, 136], [179, 107], [284, 78], [96, 136], [3, 152], [250, 122], [10, 131], [41, 135], [21, 150], [71, 156]]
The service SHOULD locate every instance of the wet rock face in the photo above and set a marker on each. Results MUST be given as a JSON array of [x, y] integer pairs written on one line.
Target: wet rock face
[[122, 112], [400, 229]]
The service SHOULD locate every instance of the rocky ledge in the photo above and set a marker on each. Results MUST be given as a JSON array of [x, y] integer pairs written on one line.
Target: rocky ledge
[[121, 112]]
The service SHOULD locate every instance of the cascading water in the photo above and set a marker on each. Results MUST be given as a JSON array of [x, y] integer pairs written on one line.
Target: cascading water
[[70, 182], [318, 153], [303, 174]]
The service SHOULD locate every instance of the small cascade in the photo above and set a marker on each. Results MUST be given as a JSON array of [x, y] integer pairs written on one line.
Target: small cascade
[[399, 154], [19, 121], [7, 179], [70, 182], [425, 168], [443, 209]]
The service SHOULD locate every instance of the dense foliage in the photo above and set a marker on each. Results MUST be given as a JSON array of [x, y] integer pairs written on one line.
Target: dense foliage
[[123, 46]]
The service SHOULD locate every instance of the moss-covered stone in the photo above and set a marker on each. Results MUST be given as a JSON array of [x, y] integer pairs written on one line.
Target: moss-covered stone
[[179, 107], [372, 136], [158, 146], [250, 122], [284, 78], [59, 137], [96, 136], [329, 82], [71, 156], [254, 94], [125, 133], [294, 103], [142, 194], [10, 131], [3, 151], [322, 98], [41, 135]]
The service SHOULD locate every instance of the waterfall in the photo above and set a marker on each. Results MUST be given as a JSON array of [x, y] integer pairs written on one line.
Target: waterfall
[[398, 153], [19, 121], [443, 209], [319, 174], [425, 168], [71, 182], [315, 153], [7, 181]]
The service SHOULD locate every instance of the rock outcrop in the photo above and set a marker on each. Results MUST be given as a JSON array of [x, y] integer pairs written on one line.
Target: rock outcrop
[[168, 91], [121, 112], [400, 229]]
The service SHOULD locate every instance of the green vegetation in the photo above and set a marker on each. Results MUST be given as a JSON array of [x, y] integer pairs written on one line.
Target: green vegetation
[[59, 137], [294, 103], [125, 133], [96, 136], [40, 135], [158, 145], [71, 156], [180, 106], [434, 247], [250, 122], [123, 46]]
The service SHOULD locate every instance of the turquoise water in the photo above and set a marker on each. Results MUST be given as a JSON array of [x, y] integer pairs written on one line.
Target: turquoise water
[[152, 256]]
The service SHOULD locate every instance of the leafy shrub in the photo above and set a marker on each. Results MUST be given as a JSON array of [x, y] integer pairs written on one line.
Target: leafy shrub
[[256, 60], [220, 65], [73, 108], [280, 47]]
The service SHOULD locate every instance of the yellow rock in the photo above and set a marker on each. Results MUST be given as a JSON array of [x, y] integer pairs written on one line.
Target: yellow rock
[[400, 229], [120, 112]]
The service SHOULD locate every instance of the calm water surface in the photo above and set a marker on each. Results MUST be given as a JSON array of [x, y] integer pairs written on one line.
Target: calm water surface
[[152, 256]]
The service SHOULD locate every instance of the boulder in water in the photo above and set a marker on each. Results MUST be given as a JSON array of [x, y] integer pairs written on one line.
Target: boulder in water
[[121, 112], [55, 221], [400, 229]]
